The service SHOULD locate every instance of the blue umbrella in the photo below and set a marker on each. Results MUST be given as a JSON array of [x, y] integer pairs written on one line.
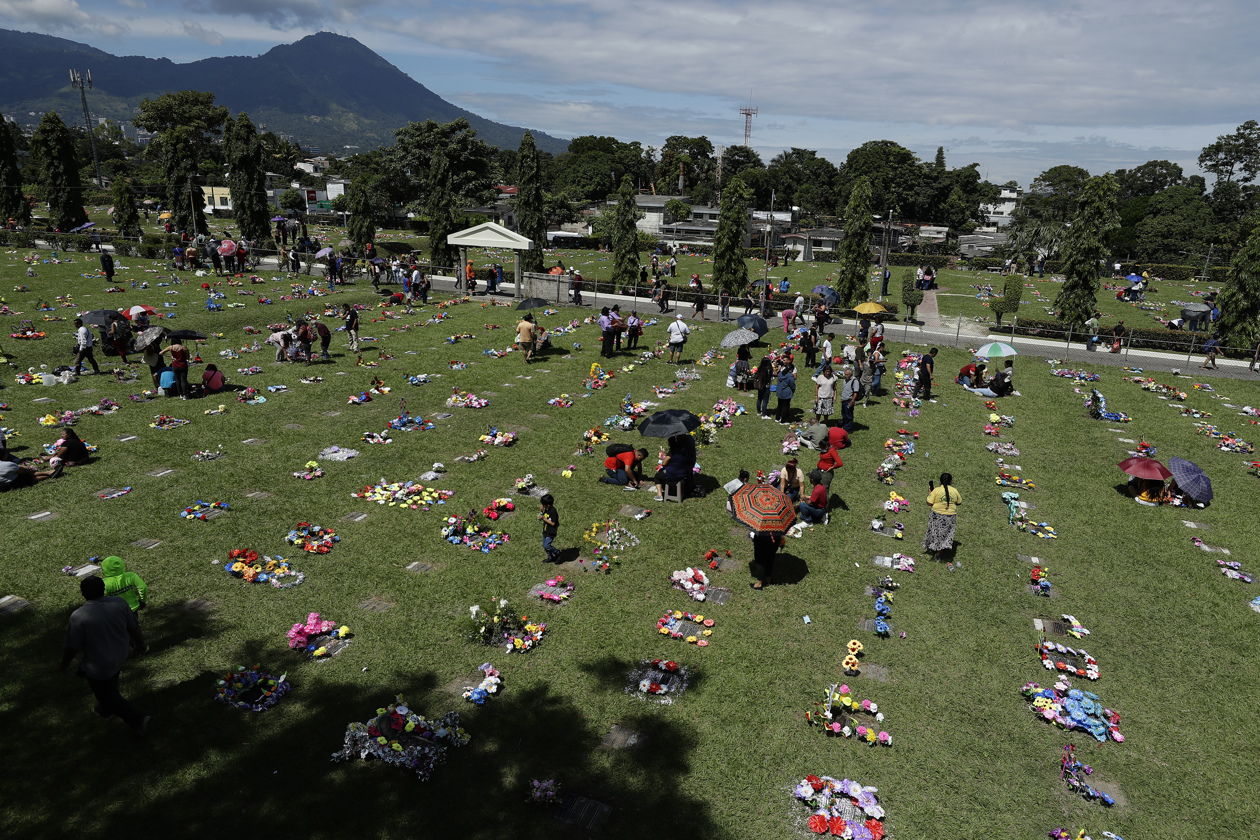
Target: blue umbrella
[[1134, 278], [828, 293], [1191, 479]]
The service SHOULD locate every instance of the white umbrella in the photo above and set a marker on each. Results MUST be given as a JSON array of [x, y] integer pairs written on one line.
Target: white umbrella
[[997, 348]]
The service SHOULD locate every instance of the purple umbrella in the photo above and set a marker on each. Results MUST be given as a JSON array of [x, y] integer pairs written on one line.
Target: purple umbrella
[[323, 252], [277, 218]]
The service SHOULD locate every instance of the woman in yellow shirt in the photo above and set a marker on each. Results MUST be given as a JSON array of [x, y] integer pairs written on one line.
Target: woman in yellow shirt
[[944, 501]]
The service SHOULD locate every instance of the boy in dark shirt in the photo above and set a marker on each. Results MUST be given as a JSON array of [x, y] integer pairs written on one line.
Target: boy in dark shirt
[[550, 519]]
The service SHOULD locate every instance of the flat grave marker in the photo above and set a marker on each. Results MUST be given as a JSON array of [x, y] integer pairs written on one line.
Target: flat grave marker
[[260, 494], [147, 543], [85, 570], [584, 813], [354, 516], [542, 589], [631, 511], [293, 426], [126, 438], [253, 441], [868, 624], [719, 595], [1199, 526], [43, 400], [43, 516], [332, 413], [375, 605], [879, 673], [420, 568], [11, 604], [161, 472], [623, 738], [1051, 627]]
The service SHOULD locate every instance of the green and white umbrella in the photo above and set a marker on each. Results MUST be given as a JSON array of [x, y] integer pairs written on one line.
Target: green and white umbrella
[[997, 349]]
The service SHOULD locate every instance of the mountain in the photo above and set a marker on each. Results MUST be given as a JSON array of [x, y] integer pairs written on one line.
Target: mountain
[[326, 90]]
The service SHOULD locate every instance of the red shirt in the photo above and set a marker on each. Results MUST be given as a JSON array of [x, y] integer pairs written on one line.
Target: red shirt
[[837, 437], [829, 460], [818, 498], [620, 461], [969, 371]]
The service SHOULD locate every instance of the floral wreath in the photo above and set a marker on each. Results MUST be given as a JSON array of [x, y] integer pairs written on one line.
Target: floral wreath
[[1072, 708], [312, 538], [488, 686], [1052, 657], [251, 689], [842, 807], [464, 399], [692, 581], [608, 544], [565, 590], [562, 401], [838, 700], [674, 624], [307, 637], [404, 494], [400, 737], [244, 563], [1073, 771], [200, 510]]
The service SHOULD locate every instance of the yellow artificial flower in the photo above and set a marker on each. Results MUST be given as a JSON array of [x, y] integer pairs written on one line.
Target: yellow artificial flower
[[691, 640]]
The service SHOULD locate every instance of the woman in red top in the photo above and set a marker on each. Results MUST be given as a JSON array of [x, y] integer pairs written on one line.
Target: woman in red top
[[814, 510], [827, 463], [179, 366]]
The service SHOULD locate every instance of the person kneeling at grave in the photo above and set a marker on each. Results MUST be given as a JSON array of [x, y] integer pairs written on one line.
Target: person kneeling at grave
[[971, 376], [13, 473], [814, 509], [624, 466], [212, 379]]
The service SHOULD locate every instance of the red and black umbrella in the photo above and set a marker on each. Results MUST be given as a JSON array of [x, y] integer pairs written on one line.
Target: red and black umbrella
[[1145, 468], [763, 507]]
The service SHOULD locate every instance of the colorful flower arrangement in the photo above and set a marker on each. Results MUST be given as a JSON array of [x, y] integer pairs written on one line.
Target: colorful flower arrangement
[[1148, 384], [692, 581], [249, 371], [400, 737], [310, 472], [838, 701], [251, 396], [419, 379], [1232, 569], [1006, 450], [1006, 421], [1052, 654], [1076, 375], [467, 531], [879, 526], [1074, 629], [1005, 479], [496, 438], [562, 401], [597, 378], [251, 689], [456, 365], [404, 494], [842, 808], [889, 466], [556, 589], [244, 563], [1072, 708], [1073, 771], [674, 623], [883, 612], [896, 503], [380, 438], [313, 539], [1040, 580], [209, 455], [610, 539], [165, 423], [902, 562], [659, 680], [464, 399], [200, 509], [489, 685], [116, 494], [503, 627], [523, 485], [307, 636], [1096, 405], [497, 508]]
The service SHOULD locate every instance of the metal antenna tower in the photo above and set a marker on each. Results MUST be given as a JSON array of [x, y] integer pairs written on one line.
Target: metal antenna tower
[[83, 81], [748, 113]]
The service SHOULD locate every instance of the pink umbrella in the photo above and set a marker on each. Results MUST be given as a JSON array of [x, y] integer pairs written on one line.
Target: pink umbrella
[[132, 311], [228, 248]]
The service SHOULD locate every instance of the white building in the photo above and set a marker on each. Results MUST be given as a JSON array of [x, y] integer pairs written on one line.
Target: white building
[[1000, 212]]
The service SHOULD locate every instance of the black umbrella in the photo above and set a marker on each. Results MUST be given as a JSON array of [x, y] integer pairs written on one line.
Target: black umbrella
[[377, 261], [1191, 479], [101, 317], [664, 424], [759, 283], [186, 334], [828, 294], [755, 323], [531, 303]]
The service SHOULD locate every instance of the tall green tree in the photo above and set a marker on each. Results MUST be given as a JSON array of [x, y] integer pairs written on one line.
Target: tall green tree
[[1234, 157], [193, 111], [1084, 249], [693, 157], [247, 178], [53, 150], [13, 203], [126, 216], [1178, 226], [855, 248], [730, 271], [911, 295], [531, 211], [1239, 323], [893, 175], [184, 197], [625, 239], [439, 206], [362, 202]]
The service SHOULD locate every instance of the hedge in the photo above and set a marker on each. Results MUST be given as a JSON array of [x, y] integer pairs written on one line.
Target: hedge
[[1137, 337], [914, 260]]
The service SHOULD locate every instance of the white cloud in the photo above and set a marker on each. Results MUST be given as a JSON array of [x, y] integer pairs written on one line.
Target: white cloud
[[195, 30], [56, 16], [138, 5]]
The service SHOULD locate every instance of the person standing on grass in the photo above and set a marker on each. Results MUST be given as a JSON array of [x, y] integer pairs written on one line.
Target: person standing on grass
[[875, 364], [697, 306], [849, 394], [678, 332], [785, 389], [724, 304], [179, 366], [118, 336], [826, 350], [634, 329], [761, 380], [550, 519], [923, 375], [83, 344], [126, 585], [606, 334], [351, 318], [103, 631], [798, 309], [943, 501], [1255, 359], [617, 325], [766, 545], [107, 267], [325, 338], [809, 346], [824, 395], [304, 338], [525, 337]]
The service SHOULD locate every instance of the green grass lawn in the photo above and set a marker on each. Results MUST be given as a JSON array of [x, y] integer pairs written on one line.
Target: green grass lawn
[[1174, 638]]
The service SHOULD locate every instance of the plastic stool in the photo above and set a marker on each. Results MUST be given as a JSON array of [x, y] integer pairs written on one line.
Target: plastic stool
[[673, 491]]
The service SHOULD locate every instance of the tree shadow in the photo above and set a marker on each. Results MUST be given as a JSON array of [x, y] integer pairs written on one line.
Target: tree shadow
[[613, 674]]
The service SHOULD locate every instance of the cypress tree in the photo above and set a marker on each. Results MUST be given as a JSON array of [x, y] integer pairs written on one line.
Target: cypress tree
[[13, 204], [185, 199], [54, 147], [1239, 323], [126, 216], [530, 213], [1084, 250], [855, 249], [625, 238], [440, 205], [247, 179], [730, 271], [362, 224]]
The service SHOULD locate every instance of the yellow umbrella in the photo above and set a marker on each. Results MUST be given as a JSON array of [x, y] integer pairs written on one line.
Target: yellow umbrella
[[165, 216], [869, 307]]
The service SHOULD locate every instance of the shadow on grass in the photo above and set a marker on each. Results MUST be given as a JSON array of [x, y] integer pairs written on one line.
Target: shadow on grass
[[613, 673], [789, 569]]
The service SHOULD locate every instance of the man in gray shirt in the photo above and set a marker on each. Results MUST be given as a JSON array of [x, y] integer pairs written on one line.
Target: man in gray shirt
[[103, 630], [848, 398]]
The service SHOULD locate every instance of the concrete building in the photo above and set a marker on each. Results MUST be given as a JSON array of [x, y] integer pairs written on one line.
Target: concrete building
[[1000, 212]]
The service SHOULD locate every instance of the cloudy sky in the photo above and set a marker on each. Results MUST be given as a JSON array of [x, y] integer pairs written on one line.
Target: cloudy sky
[[1015, 85]]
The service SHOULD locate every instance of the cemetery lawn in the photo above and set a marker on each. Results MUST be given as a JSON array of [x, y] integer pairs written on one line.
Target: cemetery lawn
[[1174, 638]]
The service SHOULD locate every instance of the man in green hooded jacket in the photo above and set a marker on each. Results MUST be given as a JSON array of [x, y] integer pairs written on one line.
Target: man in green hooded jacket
[[126, 585]]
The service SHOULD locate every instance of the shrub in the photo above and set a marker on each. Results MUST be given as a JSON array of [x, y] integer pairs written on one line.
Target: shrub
[[1138, 337], [1012, 293]]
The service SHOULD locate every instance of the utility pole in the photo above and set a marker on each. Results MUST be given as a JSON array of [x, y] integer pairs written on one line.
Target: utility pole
[[769, 236], [83, 81], [1208, 261]]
